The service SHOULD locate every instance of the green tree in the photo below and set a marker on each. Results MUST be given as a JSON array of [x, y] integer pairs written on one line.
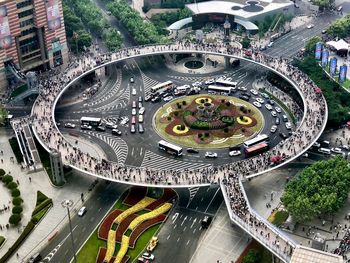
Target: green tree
[[245, 42], [320, 189], [253, 256], [340, 27], [323, 4], [15, 219]]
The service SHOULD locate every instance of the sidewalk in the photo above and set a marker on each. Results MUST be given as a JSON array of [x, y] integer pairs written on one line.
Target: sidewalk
[[40, 181]]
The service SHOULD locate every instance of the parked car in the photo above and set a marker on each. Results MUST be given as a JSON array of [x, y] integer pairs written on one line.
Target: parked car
[[257, 104], [273, 113], [310, 26], [148, 97], [155, 99], [211, 155], [243, 97], [278, 109], [152, 244], [277, 121], [140, 99], [273, 128], [82, 211], [133, 112], [265, 95], [147, 255], [270, 44], [242, 88], [337, 150], [283, 135], [116, 132], [168, 98], [254, 92], [142, 110], [284, 118]]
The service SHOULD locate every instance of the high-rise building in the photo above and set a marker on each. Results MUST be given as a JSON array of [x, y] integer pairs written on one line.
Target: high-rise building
[[32, 38]]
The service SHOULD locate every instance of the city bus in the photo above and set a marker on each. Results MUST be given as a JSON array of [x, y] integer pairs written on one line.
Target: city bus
[[90, 121], [162, 86], [220, 89], [181, 90], [226, 83], [170, 148], [258, 139], [256, 149]]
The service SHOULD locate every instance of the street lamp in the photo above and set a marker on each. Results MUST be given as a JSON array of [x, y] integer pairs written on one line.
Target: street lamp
[[68, 204]]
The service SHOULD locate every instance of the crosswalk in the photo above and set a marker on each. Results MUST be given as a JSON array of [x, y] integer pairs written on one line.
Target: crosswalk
[[110, 90], [155, 161], [118, 145], [193, 191], [148, 83]]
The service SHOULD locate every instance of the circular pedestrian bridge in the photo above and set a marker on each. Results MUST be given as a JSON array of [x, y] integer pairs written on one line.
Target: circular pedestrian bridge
[[307, 132]]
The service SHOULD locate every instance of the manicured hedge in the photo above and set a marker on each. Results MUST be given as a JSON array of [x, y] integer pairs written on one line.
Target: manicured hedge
[[22, 237], [17, 209], [15, 219], [2, 240], [2, 172], [17, 201], [15, 193], [47, 202], [7, 179], [40, 197]]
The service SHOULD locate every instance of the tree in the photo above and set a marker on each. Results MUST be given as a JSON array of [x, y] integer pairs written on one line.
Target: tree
[[323, 4], [245, 42], [311, 44], [253, 256], [14, 219], [340, 27], [320, 189]]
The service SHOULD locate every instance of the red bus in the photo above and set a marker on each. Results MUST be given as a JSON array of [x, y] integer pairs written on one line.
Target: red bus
[[256, 149]]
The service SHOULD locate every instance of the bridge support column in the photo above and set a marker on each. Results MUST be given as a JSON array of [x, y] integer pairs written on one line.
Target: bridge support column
[[227, 62], [57, 168]]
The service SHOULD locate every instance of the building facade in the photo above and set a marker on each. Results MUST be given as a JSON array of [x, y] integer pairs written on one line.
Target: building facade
[[32, 38]]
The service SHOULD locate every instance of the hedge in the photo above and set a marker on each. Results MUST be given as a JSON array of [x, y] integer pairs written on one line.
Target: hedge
[[17, 209], [12, 185], [38, 208], [40, 197], [7, 179], [2, 172], [17, 201], [21, 238], [15, 219], [16, 150], [15, 193], [2, 240]]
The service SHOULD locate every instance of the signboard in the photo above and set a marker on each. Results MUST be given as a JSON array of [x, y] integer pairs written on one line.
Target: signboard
[[333, 66], [5, 34], [342, 73], [318, 50], [53, 14], [325, 56]]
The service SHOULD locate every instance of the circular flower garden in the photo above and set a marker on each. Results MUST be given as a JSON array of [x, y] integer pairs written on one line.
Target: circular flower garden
[[208, 121]]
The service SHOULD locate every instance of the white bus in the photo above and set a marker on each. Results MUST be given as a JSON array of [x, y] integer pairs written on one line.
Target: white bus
[[162, 86], [221, 89], [170, 148], [90, 121], [258, 139], [181, 90], [226, 83]]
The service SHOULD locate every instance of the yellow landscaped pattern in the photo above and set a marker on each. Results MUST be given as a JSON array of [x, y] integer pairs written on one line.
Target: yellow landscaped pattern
[[176, 130], [123, 249], [156, 212], [246, 120], [110, 245], [146, 201], [198, 100]]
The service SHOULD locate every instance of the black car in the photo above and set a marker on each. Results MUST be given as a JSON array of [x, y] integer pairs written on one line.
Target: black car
[[242, 97], [100, 128], [277, 120], [246, 94], [191, 150], [283, 135]]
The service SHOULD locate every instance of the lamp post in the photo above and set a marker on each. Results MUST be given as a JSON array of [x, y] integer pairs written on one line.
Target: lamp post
[[68, 204]]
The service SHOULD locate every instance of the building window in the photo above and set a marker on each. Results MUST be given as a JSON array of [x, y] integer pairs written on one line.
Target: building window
[[24, 4], [25, 13], [27, 22]]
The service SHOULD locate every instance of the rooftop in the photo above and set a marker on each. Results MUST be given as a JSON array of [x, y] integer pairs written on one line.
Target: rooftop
[[309, 255]]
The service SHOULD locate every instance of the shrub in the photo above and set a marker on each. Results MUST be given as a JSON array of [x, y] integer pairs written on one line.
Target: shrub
[[17, 209], [15, 219], [241, 108], [203, 125], [7, 179], [184, 102], [243, 130], [12, 185], [241, 118], [40, 197], [2, 172], [226, 130], [223, 101], [17, 201], [228, 104], [182, 127], [206, 134], [179, 106], [15, 193], [38, 208], [202, 101], [176, 113], [169, 118]]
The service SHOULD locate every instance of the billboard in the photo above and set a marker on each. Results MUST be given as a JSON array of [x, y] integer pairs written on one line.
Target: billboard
[[53, 14], [333, 66], [318, 50], [325, 56], [342, 73], [5, 34]]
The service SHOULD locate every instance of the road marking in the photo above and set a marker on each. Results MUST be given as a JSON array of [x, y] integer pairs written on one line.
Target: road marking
[[194, 231], [178, 240], [141, 151], [66, 253], [174, 217], [194, 221], [132, 151], [187, 242], [202, 199], [184, 221], [185, 228], [212, 200], [168, 237], [175, 226]]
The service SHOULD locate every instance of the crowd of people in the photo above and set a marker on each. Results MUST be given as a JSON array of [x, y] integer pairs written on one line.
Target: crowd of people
[[52, 86], [344, 245]]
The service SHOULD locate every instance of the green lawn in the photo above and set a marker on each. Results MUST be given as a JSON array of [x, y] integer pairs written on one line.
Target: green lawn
[[279, 217], [188, 141], [90, 250], [16, 150]]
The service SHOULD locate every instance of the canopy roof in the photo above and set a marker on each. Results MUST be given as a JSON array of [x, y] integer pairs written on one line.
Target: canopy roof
[[338, 45]]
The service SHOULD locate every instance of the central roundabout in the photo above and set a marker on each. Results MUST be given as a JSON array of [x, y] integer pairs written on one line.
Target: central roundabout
[[208, 121]]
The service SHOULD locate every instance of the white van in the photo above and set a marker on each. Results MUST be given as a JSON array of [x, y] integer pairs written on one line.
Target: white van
[[325, 151]]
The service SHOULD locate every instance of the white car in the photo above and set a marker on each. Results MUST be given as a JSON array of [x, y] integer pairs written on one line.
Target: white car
[[337, 150], [278, 109], [133, 112], [273, 129], [268, 106], [310, 26], [211, 155], [242, 88], [147, 255], [142, 110], [254, 92], [270, 44], [124, 120], [273, 113], [229, 79], [257, 104], [133, 92], [234, 153], [168, 98], [132, 80], [82, 211], [209, 81], [260, 100], [86, 127], [69, 125], [288, 125]]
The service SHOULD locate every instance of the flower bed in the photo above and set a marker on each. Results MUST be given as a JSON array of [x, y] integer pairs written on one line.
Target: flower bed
[[168, 194], [101, 255], [136, 193], [123, 226], [107, 224], [137, 207]]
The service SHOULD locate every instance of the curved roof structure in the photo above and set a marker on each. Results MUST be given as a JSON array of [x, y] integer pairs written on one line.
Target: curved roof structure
[[246, 24], [180, 24]]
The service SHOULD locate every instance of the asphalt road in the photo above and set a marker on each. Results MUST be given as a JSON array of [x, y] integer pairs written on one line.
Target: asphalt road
[[60, 248]]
